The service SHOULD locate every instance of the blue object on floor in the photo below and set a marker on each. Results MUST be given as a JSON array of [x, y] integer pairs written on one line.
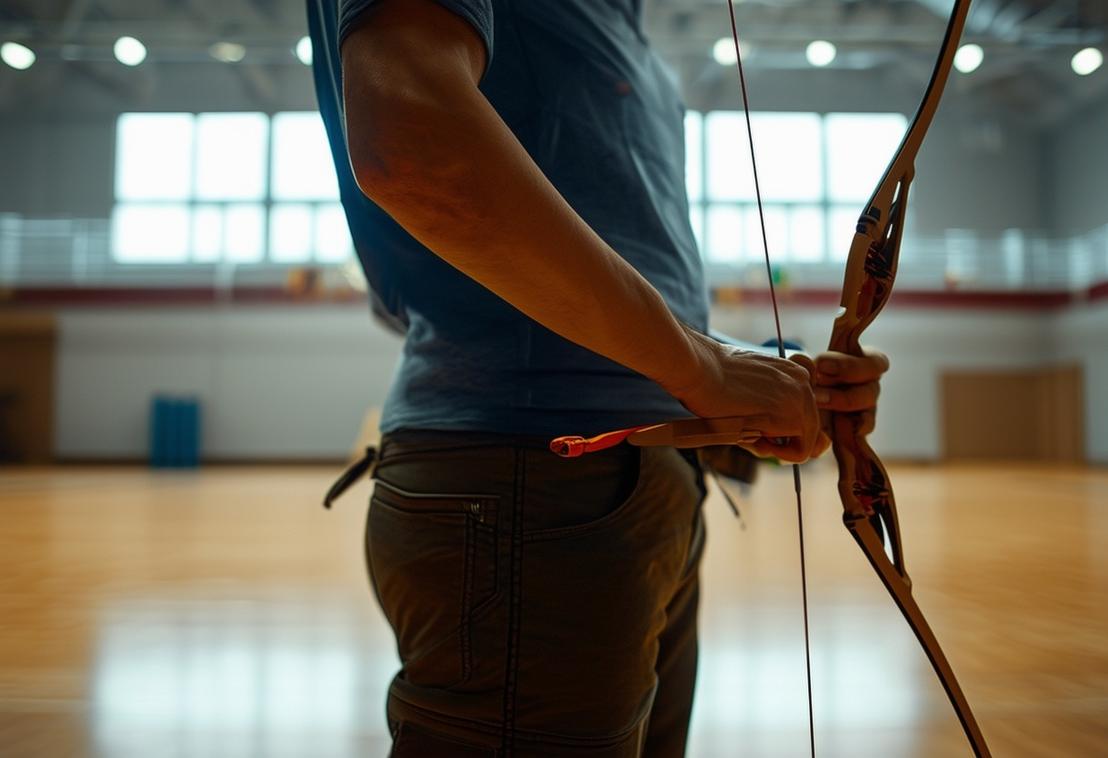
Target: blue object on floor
[[174, 432]]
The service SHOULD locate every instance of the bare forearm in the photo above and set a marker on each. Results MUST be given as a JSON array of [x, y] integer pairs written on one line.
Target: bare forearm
[[429, 149]]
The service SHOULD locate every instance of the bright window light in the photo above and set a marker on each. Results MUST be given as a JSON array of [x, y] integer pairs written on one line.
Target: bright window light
[[1087, 61], [806, 233], [820, 53], [332, 235], [843, 220], [129, 51], [231, 156], [788, 146], [806, 209], [777, 233], [696, 220], [143, 233], [226, 187], [290, 233], [858, 150], [244, 233], [154, 156], [724, 237], [304, 50], [207, 234], [788, 151], [968, 58], [694, 160], [303, 168], [20, 57], [728, 160]]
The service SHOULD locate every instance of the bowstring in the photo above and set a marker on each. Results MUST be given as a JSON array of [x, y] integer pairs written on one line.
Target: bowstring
[[781, 353]]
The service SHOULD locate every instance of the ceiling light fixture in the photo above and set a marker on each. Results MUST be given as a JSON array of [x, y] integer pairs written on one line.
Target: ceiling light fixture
[[1087, 61], [820, 53], [227, 52], [968, 58], [129, 51], [304, 50], [724, 51], [19, 57]]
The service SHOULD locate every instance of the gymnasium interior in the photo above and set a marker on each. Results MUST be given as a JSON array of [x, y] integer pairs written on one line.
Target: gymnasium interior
[[188, 359]]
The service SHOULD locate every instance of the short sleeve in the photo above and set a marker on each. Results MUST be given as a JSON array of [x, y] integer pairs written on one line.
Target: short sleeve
[[478, 13]]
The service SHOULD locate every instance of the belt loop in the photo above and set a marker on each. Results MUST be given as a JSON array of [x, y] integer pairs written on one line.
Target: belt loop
[[366, 465]]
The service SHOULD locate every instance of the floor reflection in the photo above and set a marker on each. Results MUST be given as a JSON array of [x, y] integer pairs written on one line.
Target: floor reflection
[[223, 615], [277, 676], [263, 678]]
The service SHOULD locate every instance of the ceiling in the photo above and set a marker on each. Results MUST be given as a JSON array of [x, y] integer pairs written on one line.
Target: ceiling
[[1028, 43]]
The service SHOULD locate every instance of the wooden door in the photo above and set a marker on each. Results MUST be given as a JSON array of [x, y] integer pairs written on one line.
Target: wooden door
[[1029, 414]]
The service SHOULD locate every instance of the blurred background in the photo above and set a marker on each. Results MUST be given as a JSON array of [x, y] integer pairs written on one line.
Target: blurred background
[[187, 359]]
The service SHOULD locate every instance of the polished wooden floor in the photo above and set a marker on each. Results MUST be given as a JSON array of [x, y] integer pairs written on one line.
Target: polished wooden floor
[[224, 614]]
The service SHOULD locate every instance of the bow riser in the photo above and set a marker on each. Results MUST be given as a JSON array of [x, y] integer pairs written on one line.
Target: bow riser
[[871, 268]]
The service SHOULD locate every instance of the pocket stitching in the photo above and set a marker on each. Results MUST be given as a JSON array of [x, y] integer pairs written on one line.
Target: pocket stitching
[[602, 523], [473, 525], [446, 497]]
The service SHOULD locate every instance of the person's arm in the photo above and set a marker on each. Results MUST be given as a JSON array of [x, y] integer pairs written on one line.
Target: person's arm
[[428, 148], [769, 347]]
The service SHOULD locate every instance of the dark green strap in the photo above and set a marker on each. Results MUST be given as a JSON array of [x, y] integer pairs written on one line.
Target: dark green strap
[[362, 467]]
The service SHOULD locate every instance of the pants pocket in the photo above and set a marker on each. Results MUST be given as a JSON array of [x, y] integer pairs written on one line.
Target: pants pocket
[[433, 565], [412, 741]]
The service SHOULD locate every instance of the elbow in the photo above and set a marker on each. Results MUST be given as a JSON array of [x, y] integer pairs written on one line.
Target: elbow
[[370, 170], [394, 142], [373, 154], [405, 153]]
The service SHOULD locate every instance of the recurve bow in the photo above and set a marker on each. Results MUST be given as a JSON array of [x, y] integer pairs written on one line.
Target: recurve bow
[[869, 508]]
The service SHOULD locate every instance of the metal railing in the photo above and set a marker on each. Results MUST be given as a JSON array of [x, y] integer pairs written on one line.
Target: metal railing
[[71, 252]]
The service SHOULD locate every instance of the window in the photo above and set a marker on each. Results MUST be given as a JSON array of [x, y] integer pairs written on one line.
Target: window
[[816, 171], [242, 188], [154, 156], [250, 188], [231, 156], [859, 146], [302, 167]]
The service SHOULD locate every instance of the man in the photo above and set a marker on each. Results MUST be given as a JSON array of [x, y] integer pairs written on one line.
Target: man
[[513, 174]]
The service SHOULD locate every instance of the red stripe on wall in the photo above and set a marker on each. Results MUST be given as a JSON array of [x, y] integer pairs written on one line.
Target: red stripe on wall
[[204, 296]]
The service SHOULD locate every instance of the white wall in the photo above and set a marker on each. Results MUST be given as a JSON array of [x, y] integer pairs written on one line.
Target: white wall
[[296, 382], [274, 382], [921, 344], [1080, 335]]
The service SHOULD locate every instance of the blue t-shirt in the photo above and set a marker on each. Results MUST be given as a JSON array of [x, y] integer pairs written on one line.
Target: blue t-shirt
[[582, 90]]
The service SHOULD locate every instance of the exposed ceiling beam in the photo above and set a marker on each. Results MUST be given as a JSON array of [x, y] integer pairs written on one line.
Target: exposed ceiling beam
[[72, 20]]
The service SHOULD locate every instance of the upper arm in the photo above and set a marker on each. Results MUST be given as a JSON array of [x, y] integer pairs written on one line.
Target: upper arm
[[412, 36], [403, 62]]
